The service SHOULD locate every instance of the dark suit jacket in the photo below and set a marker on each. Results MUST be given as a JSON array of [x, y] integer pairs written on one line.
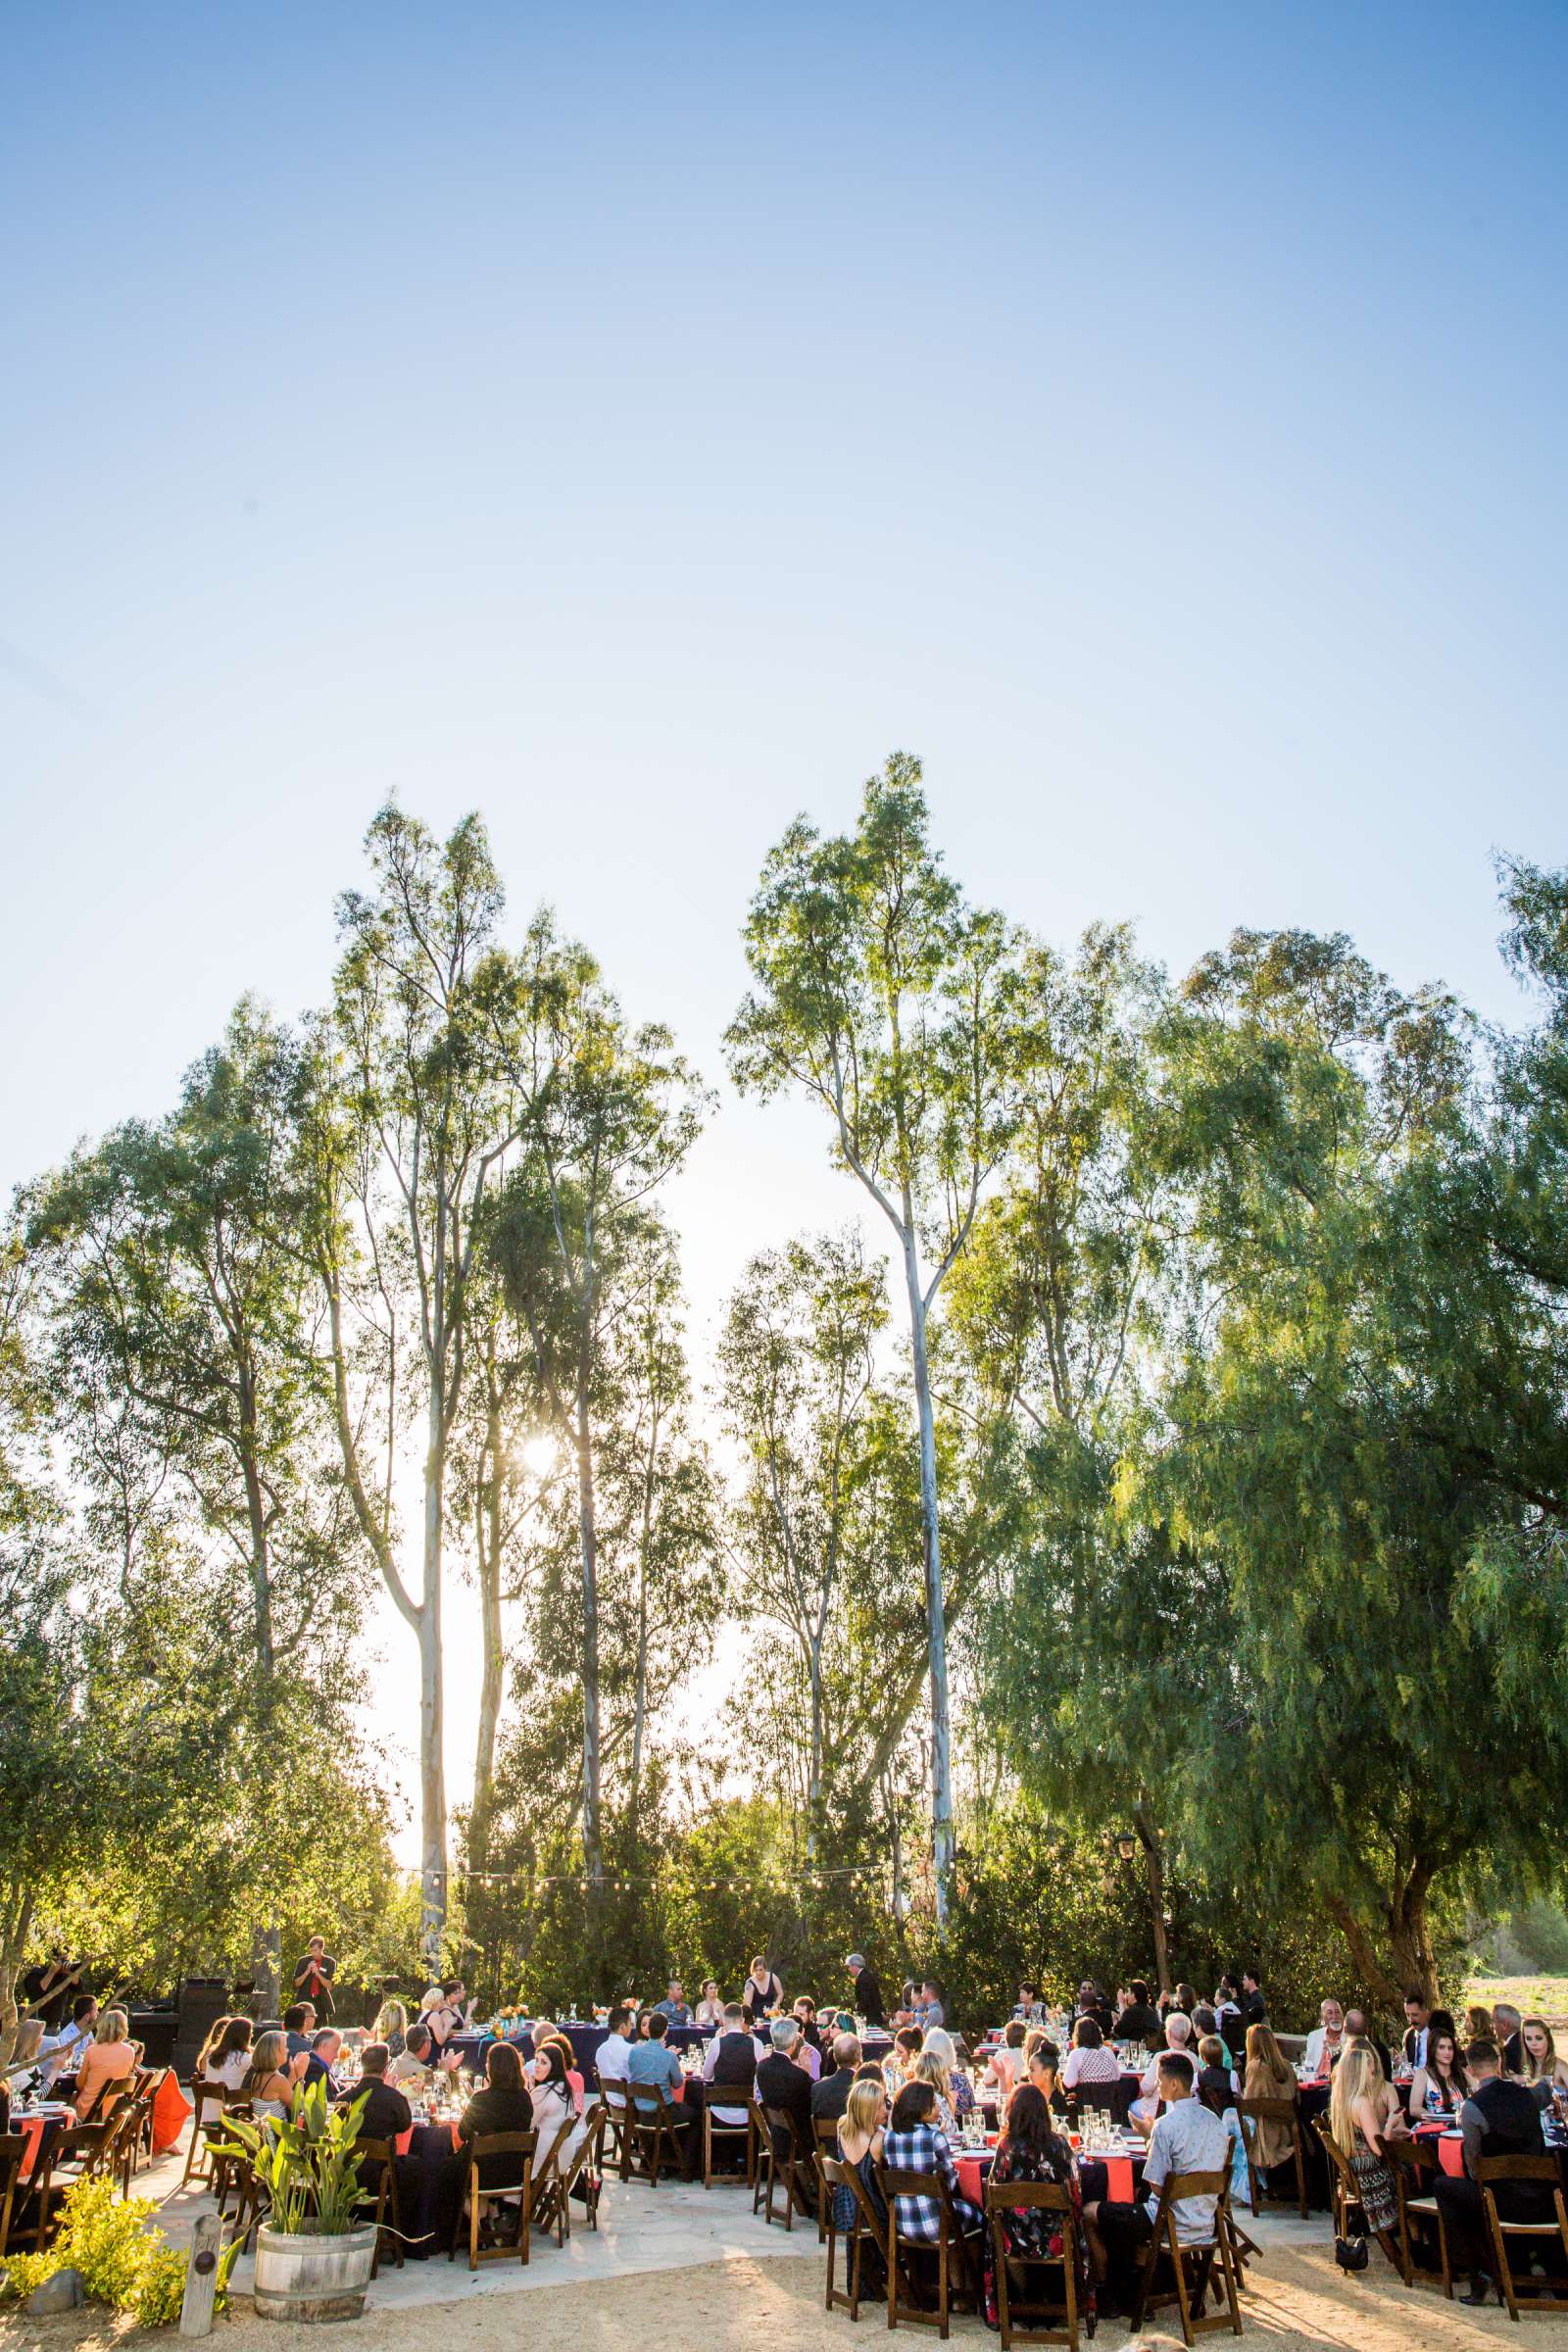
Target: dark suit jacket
[[831, 2097], [780, 2083], [868, 1997], [384, 2110]]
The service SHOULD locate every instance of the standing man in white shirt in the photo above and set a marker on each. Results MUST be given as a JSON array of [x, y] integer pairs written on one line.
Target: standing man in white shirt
[[1187, 2139]]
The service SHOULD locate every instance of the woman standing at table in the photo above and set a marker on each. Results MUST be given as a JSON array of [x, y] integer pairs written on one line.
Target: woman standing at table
[[1358, 2125], [762, 1991], [1543, 2070], [1442, 2084], [1031, 2149]]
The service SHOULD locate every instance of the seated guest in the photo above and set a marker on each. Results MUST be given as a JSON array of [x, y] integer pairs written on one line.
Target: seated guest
[[830, 2095], [928, 2009], [1270, 2076], [108, 2057], [1186, 2139], [385, 2112], [1477, 2025], [1029, 2010], [62, 2053], [805, 2011], [504, 2105], [268, 2084], [651, 2065], [229, 2064], [453, 2013], [1181, 2040], [1032, 2150], [614, 2055], [1507, 2032], [860, 2143], [552, 2038], [1089, 2060], [1360, 2125], [710, 2009], [938, 2044], [761, 1991], [730, 2064], [1417, 2018], [915, 2143], [1543, 2070], [1440, 2084], [1045, 2059], [1326, 2039], [321, 2058], [418, 2058], [1358, 2027], [672, 2008], [783, 2083], [1216, 2084], [899, 2063], [1006, 2062], [929, 2067], [299, 2024], [552, 2104], [1500, 2118], [1139, 2020], [391, 2027]]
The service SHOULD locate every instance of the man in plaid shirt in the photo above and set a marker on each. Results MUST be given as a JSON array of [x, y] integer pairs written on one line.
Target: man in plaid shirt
[[912, 2144]]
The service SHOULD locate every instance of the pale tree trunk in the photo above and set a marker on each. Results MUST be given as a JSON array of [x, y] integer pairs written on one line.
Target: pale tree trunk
[[814, 1787], [17, 1928], [941, 1839], [487, 1553], [1154, 1865], [591, 1828], [433, 1760]]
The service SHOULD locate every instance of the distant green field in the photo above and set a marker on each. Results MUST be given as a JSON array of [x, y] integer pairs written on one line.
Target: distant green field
[[1537, 1996]]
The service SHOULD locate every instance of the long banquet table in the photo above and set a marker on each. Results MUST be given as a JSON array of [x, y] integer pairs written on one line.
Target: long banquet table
[[586, 2040]]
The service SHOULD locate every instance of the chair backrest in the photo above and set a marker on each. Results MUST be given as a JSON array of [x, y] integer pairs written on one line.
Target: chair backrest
[[106, 2093], [781, 2120], [1003, 2196], [614, 2095], [1176, 2187], [520, 2145], [374, 2151], [825, 2132], [919, 2184], [1518, 2168], [589, 2147], [85, 2143]]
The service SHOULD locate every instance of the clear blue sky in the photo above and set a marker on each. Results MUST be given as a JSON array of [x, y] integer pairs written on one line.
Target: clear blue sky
[[637, 421]]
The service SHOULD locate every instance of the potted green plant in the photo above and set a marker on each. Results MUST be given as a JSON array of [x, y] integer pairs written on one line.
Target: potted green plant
[[313, 2252]]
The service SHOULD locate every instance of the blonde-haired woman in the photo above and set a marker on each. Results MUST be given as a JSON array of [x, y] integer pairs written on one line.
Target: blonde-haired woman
[[267, 2085], [1542, 2063], [1356, 2122], [110, 2057], [392, 2027], [865, 2114], [931, 2066]]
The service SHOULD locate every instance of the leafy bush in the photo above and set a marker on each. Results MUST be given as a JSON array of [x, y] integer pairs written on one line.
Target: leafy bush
[[121, 2260]]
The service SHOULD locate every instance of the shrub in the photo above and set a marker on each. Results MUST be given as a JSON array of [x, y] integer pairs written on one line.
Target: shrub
[[122, 2262]]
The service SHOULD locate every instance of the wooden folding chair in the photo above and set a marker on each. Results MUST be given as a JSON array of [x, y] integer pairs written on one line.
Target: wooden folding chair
[[1543, 2168], [1166, 2246], [653, 2130], [763, 2141], [104, 2096], [1003, 2196], [957, 2271], [799, 2165], [1350, 2213], [713, 2130], [1420, 2214], [519, 2147], [544, 2199], [825, 2142], [833, 2173], [586, 2166], [198, 2155], [1253, 2112], [384, 2157], [13, 2156], [615, 2101]]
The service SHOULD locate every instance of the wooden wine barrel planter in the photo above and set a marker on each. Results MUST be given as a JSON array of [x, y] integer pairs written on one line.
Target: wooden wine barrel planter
[[310, 2277]]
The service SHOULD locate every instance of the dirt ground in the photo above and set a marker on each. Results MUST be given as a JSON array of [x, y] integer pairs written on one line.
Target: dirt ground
[[736, 2306]]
